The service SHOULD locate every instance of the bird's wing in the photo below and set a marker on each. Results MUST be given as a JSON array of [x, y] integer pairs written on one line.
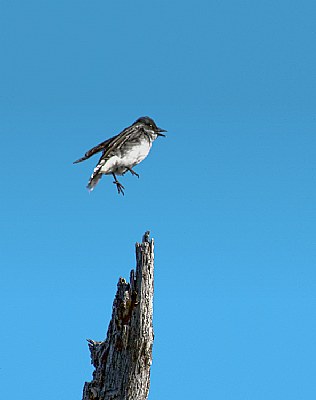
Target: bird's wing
[[111, 144], [96, 149], [120, 139]]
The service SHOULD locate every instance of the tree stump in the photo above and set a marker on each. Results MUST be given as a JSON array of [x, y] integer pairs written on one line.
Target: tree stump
[[122, 362]]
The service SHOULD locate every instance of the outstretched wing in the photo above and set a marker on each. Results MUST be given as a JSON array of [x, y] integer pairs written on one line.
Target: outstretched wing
[[100, 147], [113, 143], [133, 131]]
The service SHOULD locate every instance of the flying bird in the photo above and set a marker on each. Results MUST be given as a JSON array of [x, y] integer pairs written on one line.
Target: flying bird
[[122, 152]]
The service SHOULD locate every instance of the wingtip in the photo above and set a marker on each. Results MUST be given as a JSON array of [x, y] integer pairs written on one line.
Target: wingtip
[[79, 160]]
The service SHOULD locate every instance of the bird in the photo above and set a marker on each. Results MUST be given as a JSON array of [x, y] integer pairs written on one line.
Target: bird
[[122, 152], [146, 236]]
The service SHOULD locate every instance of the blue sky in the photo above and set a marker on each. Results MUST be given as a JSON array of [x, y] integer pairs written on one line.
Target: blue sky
[[229, 195]]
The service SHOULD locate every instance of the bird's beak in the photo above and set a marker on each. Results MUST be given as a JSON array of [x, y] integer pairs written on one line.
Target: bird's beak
[[159, 130]]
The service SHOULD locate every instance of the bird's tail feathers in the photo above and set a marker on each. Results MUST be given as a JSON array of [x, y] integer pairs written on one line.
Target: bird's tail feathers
[[93, 181], [96, 176]]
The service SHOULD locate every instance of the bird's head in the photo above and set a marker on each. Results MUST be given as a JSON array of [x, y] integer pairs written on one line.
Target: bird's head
[[150, 127]]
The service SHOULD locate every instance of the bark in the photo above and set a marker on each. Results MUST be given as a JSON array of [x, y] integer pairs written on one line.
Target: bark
[[122, 362]]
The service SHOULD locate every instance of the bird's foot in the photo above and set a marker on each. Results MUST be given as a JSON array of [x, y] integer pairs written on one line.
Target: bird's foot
[[133, 172], [120, 187]]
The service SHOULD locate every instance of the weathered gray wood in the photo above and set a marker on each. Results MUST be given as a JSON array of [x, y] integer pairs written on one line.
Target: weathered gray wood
[[122, 362]]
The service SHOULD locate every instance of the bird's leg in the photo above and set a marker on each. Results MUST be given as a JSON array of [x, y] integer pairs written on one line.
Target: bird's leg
[[133, 172], [119, 186]]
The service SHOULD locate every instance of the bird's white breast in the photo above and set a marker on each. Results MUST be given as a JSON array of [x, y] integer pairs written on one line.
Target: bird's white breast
[[136, 154], [133, 156]]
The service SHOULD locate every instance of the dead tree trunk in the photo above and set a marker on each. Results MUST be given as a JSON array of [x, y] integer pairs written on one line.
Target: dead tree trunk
[[122, 362]]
